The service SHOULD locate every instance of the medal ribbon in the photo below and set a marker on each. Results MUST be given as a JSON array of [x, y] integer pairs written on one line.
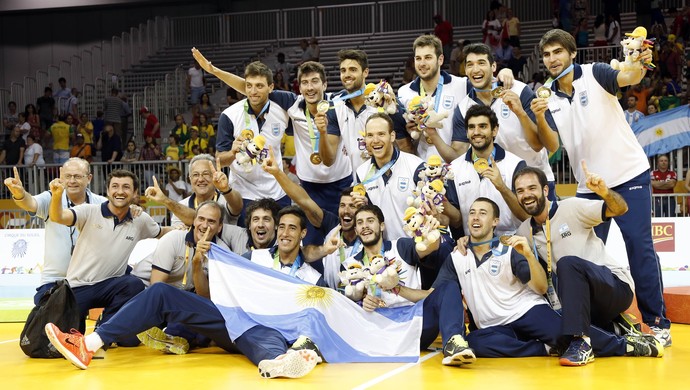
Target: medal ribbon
[[313, 137], [550, 81], [295, 265], [439, 89]]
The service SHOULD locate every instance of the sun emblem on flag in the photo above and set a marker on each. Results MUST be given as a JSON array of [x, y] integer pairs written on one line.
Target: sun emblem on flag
[[312, 296], [659, 132]]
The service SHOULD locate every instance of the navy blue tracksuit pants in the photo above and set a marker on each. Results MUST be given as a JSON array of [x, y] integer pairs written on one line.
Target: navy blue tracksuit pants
[[442, 310], [636, 228], [163, 303]]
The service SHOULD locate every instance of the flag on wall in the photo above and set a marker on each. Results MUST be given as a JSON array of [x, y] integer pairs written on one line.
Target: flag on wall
[[248, 294], [665, 131]]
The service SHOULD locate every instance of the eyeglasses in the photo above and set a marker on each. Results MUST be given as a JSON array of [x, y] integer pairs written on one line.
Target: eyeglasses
[[206, 174], [75, 177]]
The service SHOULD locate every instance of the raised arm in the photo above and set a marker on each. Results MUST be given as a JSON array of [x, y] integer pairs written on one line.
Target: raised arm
[[155, 194], [56, 212], [615, 204], [233, 80], [22, 198]]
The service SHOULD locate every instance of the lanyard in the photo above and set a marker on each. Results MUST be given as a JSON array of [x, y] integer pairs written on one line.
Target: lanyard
[[365, 258], [196, 201], [354, 249], [439, 89], [314, 137], [247, 123], [293, 269], [375, 174], [550, 290], [186, 261], [496, 251], [475, 158], [340, 100], [494, 84], [550, 81]]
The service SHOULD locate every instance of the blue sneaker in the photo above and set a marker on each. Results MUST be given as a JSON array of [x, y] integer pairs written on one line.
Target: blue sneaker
[[579, 353]]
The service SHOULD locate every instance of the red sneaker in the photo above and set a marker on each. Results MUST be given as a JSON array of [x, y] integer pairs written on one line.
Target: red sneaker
[[70, 345]]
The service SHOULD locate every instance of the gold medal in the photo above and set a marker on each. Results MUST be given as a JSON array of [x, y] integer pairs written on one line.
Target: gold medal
[[428, 140], [359, 189], [315, 158], [322, 107], [496, 92], [481, 164], [543, 92], [247, 134], [504, 240]]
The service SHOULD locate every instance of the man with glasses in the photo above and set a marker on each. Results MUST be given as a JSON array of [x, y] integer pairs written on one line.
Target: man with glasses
[[59, 238]]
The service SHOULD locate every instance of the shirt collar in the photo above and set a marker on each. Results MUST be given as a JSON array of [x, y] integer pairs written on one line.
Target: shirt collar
[[536, 227], [500, 154], [272, 251], [577, 73], [189, 237], [250, 111], [105, 211], [387, 245], [394, 156], [302, 105], [417, 81]]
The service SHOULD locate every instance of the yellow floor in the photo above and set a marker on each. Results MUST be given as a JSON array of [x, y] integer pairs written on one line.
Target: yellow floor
[[143, 368]]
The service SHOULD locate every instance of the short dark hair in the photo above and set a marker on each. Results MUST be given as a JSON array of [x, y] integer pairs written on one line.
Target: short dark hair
[[122, 173], [381, 115], [61, 79], [372, 208], [479, 49], [494, 206], [264, 204], [558, 36], [258, 68], [47, 89], [428, 40], [354, 54], [347, 191], [311, 67], [215, 205], [541, 176], [296, 211], [482, 110]]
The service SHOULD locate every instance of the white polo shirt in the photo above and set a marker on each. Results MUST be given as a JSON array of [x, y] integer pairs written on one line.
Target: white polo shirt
[[593, 128], [266, 257], [390, 191], [59, 239], [454, 89], [105, 243], [192, 203]]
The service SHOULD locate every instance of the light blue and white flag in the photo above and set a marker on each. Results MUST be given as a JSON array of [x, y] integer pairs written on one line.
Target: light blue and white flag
[[665, 131], [248, 294]]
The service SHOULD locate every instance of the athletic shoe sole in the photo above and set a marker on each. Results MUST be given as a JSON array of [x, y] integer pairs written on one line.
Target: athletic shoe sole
[[61, 348], [157, 339], [466, 356], [569, 363], [293, 364]]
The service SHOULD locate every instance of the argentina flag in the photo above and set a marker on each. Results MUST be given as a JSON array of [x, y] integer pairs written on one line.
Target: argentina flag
[[248, 294], [665, 131]]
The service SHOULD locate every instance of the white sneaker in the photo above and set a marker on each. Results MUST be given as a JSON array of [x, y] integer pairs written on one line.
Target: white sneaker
[[291, 364], [663, 335]]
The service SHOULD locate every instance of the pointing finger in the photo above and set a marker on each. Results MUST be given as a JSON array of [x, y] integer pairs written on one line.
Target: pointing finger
[[584, 168], [16, 173], [212, 167], [205, 238], [155, 183]]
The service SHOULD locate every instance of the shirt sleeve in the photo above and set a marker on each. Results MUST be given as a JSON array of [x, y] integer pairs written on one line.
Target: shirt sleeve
[[284, 99], [333, 125], [520, 266], [42, 205], [459, 130], [399, 124], [149, 227], [606, 76], [407, 251], [165, 253], [446, 273], [81, 214], [225, 136]]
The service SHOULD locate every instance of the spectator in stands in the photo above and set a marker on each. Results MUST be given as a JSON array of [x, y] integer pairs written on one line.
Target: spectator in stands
[[152, 126], [151, 151], [194, 140], [196, 85], [98, 124], [503, 54], [642, 92], [288, 169], [130, 154], [206, 130], [668, 100], [632, 115], [81, 149], [409, 72], [69, 119], [511, 28], [33, 154], [599, 30], [280, 66], [73, 104], [517, 63], [581, 35], [580, 9], [176, 189], [444, 32], [174, 152], [491, 30], [61, 96], [125, 113], [280, 82], [613, 35], [457, 60], [33, 119], [233, 96], [112, 107], [10, 118], [307, 52], [206, 107], [46, 108], [61, 132], [670, 61], [651, 109], [536, 81], [181, 130], [663, 182], [315, 49], [110, 145], [14, 148], [24, 126], [85, 128]]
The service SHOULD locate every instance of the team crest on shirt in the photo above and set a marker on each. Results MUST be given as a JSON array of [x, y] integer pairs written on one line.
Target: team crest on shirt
[[494, 267], [583, 98], [448, 102], [505, 111], [564, 230], [403, 184], [275, 129]]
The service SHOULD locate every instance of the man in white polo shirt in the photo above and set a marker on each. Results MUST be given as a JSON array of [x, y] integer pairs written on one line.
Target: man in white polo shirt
[[98, 275]]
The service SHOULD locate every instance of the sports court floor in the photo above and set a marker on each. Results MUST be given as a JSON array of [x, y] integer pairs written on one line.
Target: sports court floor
[[212, 368]]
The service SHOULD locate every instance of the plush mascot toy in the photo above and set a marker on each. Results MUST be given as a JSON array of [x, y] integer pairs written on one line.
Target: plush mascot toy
[[633, 45]]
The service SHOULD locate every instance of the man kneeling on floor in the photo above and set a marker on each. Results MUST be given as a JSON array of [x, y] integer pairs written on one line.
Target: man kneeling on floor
[[265, 347]]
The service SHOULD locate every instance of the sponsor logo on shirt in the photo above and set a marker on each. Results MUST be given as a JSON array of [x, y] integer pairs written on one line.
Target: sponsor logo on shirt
[[464, 182], [583, 98], [448, 101], [505, 111], [494, 267], [403, 184], [275, 128], [564, 231], [129, 238]]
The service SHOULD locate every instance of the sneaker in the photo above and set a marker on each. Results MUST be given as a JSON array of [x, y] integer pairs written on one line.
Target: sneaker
[[304, 342], [579, 353], [643, 345], [457, 352], [291, 364], [157, 339], [626, 324], [663, 335], [70, 345]]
